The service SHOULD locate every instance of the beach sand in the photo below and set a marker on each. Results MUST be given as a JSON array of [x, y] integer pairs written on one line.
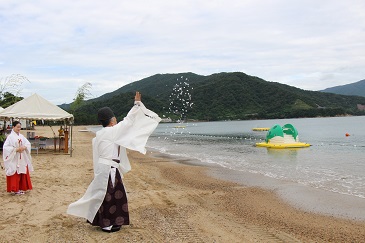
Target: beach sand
[[169, 201]]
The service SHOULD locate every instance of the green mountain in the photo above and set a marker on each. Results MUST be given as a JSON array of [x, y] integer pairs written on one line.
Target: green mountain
[[357, 88], [158, 85], [222, 96]]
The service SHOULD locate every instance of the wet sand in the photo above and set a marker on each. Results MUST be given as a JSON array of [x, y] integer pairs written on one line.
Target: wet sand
[[169, 201]]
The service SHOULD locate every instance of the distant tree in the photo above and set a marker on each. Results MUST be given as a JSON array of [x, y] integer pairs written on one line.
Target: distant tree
[[82, 93], [8, 99], [10, 88]]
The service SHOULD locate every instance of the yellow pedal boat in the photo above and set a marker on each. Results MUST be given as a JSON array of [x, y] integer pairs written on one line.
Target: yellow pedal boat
[[283, 145], [282, 137], [261, 129]]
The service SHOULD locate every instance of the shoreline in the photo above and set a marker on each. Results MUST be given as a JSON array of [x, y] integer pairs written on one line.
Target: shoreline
[[261, 201], [170, 200], [302, 197]]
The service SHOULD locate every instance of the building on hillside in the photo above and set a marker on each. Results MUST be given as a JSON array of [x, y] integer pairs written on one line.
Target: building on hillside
[[361, 107]]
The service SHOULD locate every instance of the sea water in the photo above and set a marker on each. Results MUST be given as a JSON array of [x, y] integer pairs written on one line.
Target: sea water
[[334, 162]]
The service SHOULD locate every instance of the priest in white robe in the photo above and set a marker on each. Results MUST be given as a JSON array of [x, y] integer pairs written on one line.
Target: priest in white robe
[[17, 161], [104, 203]]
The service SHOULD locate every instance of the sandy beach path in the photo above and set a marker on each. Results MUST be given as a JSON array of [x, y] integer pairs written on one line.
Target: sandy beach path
[[169, 201]]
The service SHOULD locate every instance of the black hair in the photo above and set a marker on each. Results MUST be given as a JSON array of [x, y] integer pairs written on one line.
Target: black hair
[[16, 123], [105, 123], [105, 115]]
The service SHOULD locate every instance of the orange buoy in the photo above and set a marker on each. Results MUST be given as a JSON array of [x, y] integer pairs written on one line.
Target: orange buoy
[[347, 134]]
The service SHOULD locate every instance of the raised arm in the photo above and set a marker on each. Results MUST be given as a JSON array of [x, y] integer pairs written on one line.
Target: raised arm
[[137, 97], [135, 129]]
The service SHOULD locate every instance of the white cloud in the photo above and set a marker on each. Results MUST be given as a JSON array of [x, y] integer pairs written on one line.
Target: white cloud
[[59, 45]]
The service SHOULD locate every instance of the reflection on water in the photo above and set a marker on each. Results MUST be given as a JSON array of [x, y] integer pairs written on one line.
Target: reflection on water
[[289, 154]]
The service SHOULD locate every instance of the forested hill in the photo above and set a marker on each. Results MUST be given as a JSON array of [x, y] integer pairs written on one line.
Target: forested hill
[[222, 96], [357, 88], [158, 85]]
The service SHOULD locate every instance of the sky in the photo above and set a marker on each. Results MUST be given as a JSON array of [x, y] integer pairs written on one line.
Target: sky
[[60, 45]]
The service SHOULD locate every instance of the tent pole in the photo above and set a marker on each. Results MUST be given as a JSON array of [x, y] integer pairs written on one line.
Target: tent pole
[[71, 141]]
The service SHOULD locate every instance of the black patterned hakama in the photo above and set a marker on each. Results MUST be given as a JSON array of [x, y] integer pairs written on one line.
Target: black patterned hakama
[[114, 209]]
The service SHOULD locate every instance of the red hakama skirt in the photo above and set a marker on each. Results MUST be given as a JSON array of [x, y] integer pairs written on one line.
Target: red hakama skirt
[[18, 182]]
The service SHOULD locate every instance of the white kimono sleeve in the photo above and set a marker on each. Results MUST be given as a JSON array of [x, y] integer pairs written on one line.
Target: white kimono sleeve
[[9, 152], [134, 130]]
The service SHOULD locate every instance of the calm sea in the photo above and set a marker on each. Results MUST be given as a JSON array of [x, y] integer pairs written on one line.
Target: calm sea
[[335, 162]]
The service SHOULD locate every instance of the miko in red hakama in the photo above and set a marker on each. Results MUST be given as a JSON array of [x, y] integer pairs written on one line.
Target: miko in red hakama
[[18, 163]]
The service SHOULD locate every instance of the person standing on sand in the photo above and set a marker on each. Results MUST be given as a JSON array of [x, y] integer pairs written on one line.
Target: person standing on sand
[[104, 203], [17, 161]]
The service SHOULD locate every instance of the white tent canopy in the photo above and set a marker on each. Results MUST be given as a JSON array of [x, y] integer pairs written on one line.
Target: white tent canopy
[[35, 107]]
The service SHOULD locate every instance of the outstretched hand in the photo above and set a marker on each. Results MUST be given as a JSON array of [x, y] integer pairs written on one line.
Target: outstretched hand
[[138, 96]]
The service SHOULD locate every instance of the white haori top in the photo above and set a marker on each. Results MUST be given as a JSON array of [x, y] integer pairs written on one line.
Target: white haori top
[[131, 133], [16, 162]]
